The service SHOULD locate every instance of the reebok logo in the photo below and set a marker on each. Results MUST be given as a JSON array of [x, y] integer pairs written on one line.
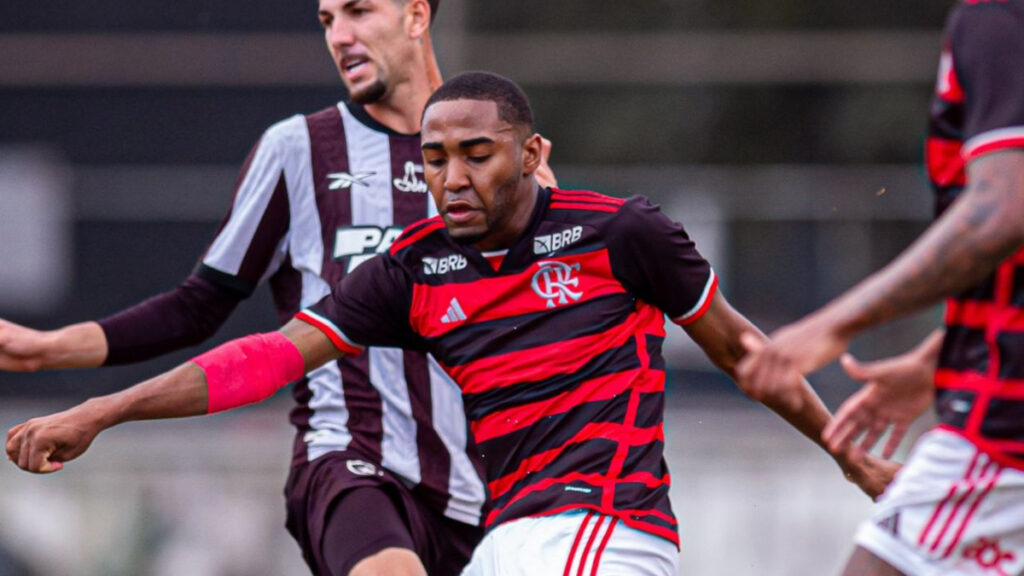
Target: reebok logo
[[344, 180], [454, 313], [432, 266], [411, 182], [548, 243]]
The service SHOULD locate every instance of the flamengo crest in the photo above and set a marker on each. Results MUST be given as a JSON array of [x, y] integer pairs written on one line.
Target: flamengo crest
[[554, 282]]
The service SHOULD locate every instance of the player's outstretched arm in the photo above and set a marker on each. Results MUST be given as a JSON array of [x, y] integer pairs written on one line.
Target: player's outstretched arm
[[24, 349], [237, 373], [184, 316], [982, 228], [718, 333], [896, 392]]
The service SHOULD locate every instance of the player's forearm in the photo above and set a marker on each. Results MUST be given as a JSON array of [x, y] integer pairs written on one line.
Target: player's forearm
[[981, 229], [177, 393], [76, 346], [809, 416]]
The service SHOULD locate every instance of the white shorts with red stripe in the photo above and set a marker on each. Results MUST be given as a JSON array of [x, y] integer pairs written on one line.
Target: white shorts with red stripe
[[950, 510], [578, 543]]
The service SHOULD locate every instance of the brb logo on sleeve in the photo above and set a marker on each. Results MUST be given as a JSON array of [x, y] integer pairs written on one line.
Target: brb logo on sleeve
[[360, 243]]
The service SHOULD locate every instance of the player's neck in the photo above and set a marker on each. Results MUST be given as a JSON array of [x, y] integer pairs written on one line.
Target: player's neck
[[402, 109]]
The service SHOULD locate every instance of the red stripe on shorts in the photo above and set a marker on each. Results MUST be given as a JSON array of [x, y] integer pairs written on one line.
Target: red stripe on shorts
[[600, 549], [939, 508], [974, 507], [576, 543], [590, 543]]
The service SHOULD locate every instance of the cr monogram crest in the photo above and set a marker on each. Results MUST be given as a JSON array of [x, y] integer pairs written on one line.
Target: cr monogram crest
[[554, 282]]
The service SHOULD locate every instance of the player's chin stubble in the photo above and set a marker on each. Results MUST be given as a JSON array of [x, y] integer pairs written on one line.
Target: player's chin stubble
[[372, 93]]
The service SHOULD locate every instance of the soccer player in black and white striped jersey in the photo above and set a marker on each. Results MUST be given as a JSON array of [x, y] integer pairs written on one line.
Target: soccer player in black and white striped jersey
[[383, 435]]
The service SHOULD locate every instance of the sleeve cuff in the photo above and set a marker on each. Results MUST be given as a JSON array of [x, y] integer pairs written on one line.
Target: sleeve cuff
[[702, 305], [993, 141], [336, 336]]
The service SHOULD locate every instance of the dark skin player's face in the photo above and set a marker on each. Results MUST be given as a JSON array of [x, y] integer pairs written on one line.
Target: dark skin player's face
[[480, 172]]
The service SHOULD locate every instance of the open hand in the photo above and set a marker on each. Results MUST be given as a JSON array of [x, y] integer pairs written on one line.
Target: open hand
[[896, 392]]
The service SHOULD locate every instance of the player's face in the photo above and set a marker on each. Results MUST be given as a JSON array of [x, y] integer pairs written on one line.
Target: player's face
[[478, 168], [368, 43]]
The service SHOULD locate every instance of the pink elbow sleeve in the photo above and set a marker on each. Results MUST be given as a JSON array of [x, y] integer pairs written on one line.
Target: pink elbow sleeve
[[249, 370]]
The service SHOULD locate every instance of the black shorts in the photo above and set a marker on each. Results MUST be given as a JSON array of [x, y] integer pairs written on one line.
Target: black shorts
[[383, 513]]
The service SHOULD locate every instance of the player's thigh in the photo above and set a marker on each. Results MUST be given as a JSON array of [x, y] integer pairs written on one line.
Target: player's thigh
[[863, 563], [575, 543], [366, 533], [952, 510]]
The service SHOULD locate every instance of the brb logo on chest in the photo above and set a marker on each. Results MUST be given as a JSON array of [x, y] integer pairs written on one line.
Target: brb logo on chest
[[360, 243], [554, 282], [548, 243], [452, 263]]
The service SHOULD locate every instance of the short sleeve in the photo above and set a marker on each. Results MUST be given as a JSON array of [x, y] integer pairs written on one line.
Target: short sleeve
[[249, 245], [655, 259], [988, 56], [370, 307]]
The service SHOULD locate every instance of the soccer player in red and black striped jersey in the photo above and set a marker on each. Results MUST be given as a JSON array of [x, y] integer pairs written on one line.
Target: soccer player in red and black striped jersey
[[382, 434], [546, 306], [958, 505]]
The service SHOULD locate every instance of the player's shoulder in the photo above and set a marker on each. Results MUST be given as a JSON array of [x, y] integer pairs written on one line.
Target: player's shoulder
[[295, 127], [597, 208], [981, 17], [418, 237], [583, 202], [988, 5]]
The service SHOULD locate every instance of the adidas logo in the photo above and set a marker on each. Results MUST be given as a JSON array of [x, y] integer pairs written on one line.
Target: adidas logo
[[454, 314]]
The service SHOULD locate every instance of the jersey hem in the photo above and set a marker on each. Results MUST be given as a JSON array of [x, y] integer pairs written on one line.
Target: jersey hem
[[665, 534]]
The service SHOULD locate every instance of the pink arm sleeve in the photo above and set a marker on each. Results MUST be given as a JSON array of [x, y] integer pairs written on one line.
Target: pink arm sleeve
[[249, 370]]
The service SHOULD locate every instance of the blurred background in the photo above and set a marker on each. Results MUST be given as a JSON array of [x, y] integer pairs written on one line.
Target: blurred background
[[785, 134]]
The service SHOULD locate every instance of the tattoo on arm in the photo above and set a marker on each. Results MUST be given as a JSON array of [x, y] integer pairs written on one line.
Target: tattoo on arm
[[958, 251]]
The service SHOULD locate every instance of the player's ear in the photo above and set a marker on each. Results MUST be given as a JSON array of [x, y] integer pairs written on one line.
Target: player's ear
[[532, 154], [416, 14]]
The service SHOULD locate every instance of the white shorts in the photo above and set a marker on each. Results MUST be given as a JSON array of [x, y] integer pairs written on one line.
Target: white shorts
[[572, 544], [950, 510]]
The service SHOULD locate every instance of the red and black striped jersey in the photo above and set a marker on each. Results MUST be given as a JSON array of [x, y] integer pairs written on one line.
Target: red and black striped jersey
[[557, 350], [978, 108], [320, 195]]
